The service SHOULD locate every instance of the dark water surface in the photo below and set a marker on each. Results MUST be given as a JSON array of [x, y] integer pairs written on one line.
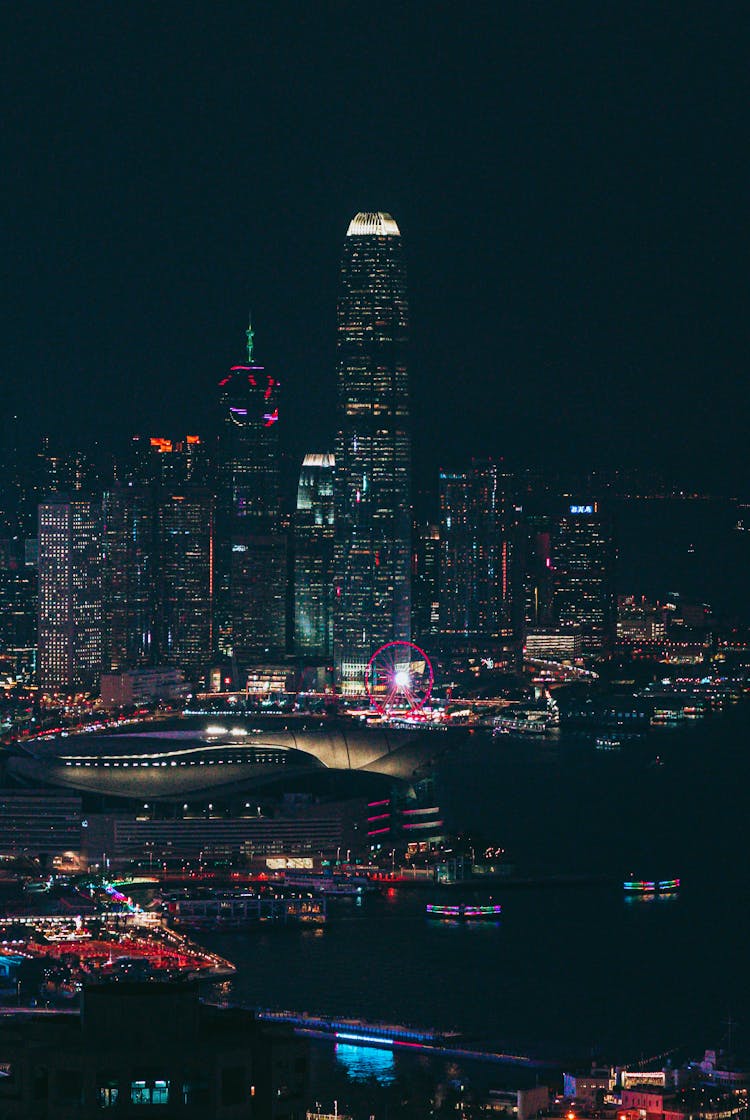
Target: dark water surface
[[566, 969]]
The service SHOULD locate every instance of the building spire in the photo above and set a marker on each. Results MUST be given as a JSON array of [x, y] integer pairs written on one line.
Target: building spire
[[250, 334]]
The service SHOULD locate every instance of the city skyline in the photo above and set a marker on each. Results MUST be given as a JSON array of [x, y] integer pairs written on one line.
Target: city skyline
[[374, 528], [565, 216]]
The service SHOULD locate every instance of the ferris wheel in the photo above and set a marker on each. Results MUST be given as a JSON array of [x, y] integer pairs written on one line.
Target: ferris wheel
[[399, 679]]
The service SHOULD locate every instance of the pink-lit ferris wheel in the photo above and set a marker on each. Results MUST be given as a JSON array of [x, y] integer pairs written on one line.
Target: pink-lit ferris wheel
[[399, 679]]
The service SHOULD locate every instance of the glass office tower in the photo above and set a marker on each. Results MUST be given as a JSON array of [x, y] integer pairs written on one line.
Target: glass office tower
[[372, 590]]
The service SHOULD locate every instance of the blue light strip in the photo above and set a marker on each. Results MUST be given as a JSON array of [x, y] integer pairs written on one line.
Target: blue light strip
[[371, 1040]]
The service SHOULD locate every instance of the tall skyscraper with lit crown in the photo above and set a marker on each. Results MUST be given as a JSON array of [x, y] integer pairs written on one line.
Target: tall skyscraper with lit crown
[[252, 544], [372, 588]]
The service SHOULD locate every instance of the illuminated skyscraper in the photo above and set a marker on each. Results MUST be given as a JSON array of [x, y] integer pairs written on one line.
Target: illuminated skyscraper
[[583, 560], [313, 558], [252, 545], [70, 592], [372, 602]]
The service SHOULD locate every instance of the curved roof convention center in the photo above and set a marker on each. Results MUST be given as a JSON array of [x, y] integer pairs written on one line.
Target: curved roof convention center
[[206, 754]]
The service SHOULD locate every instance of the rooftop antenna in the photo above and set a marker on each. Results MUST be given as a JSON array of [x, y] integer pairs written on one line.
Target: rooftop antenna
[[250, 335]]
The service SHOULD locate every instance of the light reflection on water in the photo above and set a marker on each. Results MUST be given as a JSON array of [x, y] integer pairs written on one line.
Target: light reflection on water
[[363, 1062]]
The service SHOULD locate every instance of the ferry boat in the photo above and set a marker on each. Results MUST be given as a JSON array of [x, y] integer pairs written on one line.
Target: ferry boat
[[342, 886], [463, 912], [608, 743], [651, 886]]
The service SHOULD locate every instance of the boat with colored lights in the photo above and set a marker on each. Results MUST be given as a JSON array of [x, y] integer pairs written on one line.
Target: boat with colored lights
[[463, 912], [651, 886]]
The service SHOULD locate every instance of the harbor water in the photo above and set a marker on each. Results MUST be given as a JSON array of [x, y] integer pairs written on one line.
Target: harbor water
[[566, 969]]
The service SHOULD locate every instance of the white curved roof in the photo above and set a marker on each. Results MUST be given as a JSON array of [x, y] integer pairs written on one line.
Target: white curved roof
[[377, 224]]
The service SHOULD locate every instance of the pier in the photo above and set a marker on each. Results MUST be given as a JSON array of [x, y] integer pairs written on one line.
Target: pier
[[387, 1036], [244, 910]]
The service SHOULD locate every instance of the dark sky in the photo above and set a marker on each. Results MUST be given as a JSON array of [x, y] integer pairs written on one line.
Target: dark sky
[[570, 181]]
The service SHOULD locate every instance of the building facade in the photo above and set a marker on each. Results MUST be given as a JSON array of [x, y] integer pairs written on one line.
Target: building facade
[[158, 569], [185, 541], [478, 598], [372, 584], [583, 561], [313, 558], [426, 582], [130, 564], [70, 592]]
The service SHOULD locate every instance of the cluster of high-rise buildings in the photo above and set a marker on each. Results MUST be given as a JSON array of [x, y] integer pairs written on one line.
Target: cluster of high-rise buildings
[[186, 557]]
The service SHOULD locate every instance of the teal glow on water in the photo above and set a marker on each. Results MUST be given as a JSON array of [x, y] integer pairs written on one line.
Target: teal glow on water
[[362, 1062]]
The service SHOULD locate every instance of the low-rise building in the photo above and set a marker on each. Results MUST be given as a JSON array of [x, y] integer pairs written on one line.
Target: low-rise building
[[142, 686], [589, 1088]]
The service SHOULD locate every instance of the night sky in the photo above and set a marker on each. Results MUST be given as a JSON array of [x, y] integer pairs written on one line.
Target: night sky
[[570, 182]]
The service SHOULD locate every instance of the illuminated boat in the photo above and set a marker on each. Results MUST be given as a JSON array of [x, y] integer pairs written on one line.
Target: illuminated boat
[[463, 912], [651, 886], [639, 886], [608, 743]]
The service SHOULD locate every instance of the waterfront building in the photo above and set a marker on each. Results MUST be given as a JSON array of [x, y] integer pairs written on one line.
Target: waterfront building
[[252, 546], [583, 561], [555, 645], [142, 686], [313, 558], [640, 622], [372, 585], [70, 592], [38, 824]]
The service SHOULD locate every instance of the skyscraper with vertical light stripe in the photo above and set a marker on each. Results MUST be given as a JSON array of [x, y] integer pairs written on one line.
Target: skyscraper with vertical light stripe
[[372, 587]]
